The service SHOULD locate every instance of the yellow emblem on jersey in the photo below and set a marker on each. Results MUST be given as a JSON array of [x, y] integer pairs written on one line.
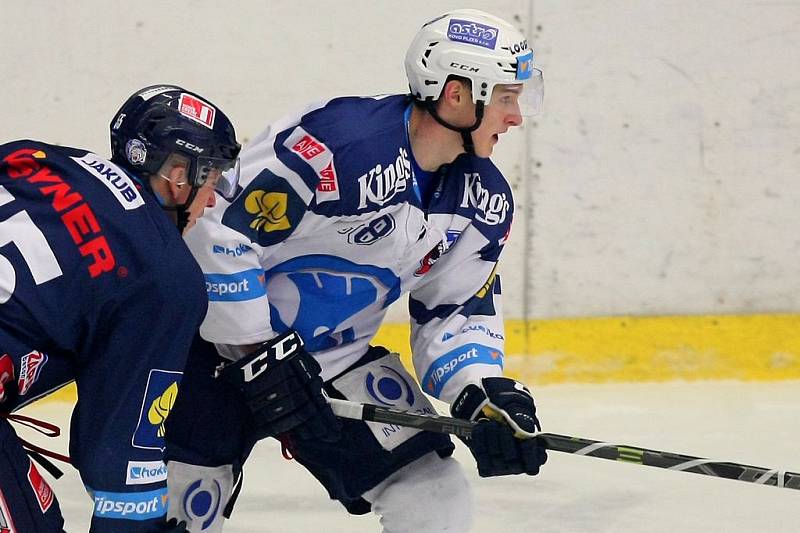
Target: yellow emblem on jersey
[[161, 407], [270, 210]]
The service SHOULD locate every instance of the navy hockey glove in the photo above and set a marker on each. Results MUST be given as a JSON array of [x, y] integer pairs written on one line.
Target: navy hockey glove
[[502, 441], [281, 384], [171, 526]]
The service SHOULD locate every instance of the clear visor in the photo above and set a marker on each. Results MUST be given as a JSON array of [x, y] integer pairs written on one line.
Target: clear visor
[[524, 98], [221, 174]]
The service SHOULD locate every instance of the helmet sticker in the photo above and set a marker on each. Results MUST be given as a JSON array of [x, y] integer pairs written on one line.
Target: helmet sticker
[[525, 66], [155, 91], [197, 110], [136, 152], [118, 121], [469, 32]]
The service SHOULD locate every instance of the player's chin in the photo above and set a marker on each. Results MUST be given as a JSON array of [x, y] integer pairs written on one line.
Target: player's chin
[[485, 150]]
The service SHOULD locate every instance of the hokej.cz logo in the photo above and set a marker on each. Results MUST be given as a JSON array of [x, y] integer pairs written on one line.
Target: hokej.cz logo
[[159, 398], [201, 502], [475, 327], [270, 210], [130, 505], [388, 387], [466, 31], [236, 251], [145, 472], [444, 367]]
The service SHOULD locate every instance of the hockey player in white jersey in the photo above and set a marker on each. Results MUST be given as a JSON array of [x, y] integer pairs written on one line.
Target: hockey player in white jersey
[[344, 208]]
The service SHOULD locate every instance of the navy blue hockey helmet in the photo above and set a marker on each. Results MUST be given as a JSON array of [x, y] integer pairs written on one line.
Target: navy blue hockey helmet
[[160, 120]]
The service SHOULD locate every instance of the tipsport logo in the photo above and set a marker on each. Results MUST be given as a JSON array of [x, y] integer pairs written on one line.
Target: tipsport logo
[[130, 505], [466, 31], [159, 398], [444, 367], [236, 287], [388, 387], [201, 502]]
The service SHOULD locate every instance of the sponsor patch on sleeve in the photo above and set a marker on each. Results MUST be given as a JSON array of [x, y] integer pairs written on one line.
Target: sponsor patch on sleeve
[[236, 287], [130, 505], [320, 158], [447, 365]]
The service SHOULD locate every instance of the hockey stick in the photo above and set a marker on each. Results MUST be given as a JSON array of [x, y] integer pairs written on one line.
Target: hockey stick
[[576, 445]]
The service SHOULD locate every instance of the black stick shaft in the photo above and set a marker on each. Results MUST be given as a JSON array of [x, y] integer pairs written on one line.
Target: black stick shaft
[[577, 446]]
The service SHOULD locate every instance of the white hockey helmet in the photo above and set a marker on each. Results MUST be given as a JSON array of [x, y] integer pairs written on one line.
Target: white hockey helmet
[[478, 46]]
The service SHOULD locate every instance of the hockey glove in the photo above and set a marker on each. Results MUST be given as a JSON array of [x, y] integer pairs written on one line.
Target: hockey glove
[[503, 440], [171, 526], [281, 385]]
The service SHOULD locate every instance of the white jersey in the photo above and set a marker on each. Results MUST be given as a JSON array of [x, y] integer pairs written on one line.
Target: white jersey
[[335, 221]]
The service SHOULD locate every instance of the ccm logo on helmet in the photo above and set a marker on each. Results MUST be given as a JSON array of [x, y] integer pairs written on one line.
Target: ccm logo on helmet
[[467, 68], [189, 146]]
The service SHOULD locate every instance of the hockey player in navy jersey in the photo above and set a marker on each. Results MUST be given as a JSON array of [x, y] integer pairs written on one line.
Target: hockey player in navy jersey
[[344, 208], [97, 286]]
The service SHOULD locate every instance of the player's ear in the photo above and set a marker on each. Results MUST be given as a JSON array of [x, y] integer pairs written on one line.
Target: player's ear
[[456, 91], [175, 187]]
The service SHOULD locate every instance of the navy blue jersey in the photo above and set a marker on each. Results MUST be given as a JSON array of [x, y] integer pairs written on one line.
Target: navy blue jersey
[[78, 242]]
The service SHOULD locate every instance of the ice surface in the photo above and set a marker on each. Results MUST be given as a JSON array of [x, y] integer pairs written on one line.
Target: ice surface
[[751, 423]]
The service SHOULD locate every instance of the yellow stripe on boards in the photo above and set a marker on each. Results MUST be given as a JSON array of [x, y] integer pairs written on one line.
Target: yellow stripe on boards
[[629, 349]]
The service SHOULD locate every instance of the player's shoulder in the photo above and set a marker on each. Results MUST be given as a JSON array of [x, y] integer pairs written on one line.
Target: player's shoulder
[[485, 195], [352, 119]]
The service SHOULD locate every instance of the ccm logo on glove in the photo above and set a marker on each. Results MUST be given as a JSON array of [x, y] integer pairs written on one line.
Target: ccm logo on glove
[[281, 349]]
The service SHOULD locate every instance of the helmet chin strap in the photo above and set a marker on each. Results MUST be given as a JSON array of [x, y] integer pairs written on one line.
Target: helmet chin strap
[[466, 133], [182, 210]]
